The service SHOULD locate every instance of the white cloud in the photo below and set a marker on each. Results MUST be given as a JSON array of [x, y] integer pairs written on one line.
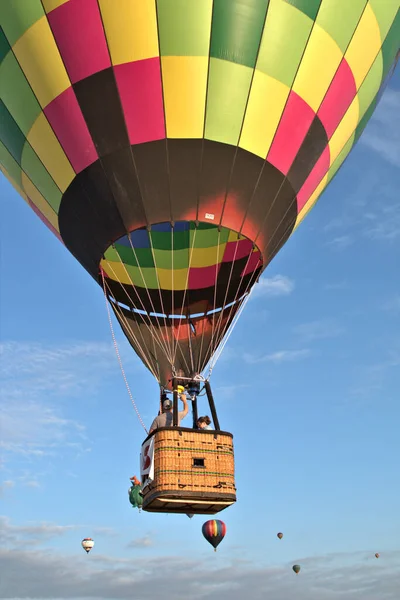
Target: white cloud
[[341, 242], [279, 285], [51, 575], [281, 356], [382, 134], [319, 329]]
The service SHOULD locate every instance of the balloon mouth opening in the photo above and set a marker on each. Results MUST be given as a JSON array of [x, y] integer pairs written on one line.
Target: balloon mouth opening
[[189, 270]]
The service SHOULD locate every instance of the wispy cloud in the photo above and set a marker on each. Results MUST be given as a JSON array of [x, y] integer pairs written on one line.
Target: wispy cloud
[[382, 132], [33, 379], [143, 542], [319, 330], [281, 356], [341, 242], [279, 285]]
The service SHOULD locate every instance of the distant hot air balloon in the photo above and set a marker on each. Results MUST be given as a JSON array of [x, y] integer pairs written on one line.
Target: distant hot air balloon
[[296, 569], [214, 531], [377, 555], [190, 515], [87, 544], [280, 535]]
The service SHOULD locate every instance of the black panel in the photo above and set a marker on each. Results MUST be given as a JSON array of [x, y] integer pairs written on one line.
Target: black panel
[[184, 157], [311, 149], [152, 171], [216, 167], [101, 107], [89, 218], [121, 174]]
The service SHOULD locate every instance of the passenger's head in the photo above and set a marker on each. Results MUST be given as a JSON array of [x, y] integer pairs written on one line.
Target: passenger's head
[[203, 422], [167, 405]]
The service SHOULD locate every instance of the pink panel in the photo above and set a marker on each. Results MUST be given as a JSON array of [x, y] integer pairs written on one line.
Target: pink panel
[[237, 250], [295, 122], [79, 34], [253, 263], [203, 277], [139, 85], [66, 119], [314, 178], [338, 98], [45, 221]]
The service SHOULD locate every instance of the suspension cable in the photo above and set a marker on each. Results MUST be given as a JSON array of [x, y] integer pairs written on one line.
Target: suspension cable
[[118, 354]]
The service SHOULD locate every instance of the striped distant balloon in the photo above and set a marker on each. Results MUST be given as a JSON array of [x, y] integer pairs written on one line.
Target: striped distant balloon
[[214, 531]]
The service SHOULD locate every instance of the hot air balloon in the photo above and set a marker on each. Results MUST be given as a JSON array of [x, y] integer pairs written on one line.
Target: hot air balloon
[[87, 544], [296, 569], [214, 531], [135, 493], [190, 515], [173, 148], [279, 535], [377, 555]]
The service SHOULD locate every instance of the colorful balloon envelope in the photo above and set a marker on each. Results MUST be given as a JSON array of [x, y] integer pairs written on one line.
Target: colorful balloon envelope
[[296, 569], [377, 555], [280, 535], [87, 544], [176, 148], [214, 531]]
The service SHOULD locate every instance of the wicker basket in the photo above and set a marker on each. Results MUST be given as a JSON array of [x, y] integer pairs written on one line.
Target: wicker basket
[[194, 472]]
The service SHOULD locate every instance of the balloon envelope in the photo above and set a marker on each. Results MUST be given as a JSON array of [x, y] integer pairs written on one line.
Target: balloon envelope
[[177, 165], [87, 544], [377, 555], [296, 569], [214, 531], [280, 535]]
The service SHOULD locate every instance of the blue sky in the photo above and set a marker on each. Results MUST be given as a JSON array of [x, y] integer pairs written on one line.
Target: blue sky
[[308, 383]]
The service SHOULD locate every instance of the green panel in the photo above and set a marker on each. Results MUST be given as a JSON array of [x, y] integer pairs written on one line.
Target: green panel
[[163, 259], [111, 254], [340, 159], [228, 90], [17, 94], [124, 254], [390, 46], [4, 45], [308, 7], [163, 241], [10, 165], [202, 225], [184, 27], [143, 277], [340, 19], [368, 114], [385, 12], [237, 27], [10, 134], [208, 238], [144, 257], [370, 85], [40, 177], [16, 16], [285, 37]]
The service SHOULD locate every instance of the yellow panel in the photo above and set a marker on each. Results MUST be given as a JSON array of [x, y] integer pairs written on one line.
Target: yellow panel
[[50, 5], [184, 82], [38, 55], [36, 197], [233, 236], [346, 127], [48, 149], [318, 67], [131, 29], [15, 185], [116, 271], [364, 46], [207, 257], [179, 281], [264, 110], [312, 200]]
